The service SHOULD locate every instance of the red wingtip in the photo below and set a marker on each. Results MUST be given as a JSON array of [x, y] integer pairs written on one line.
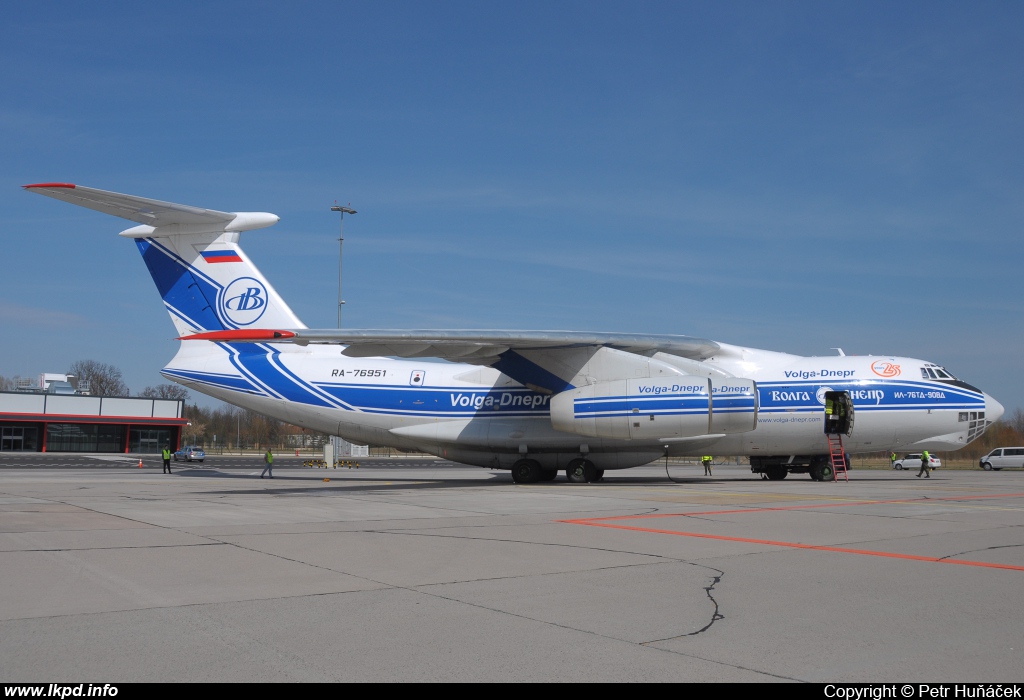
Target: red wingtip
[[67, 185], [240, 335]]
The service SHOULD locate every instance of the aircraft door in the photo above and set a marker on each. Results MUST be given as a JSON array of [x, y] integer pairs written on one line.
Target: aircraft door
[[838, 413]]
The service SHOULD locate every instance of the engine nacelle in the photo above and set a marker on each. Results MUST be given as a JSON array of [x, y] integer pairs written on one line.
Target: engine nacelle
[[650, 409]]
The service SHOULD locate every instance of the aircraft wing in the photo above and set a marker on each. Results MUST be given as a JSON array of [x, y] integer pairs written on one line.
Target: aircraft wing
[[480, 347], [139, 209], [547, 361]]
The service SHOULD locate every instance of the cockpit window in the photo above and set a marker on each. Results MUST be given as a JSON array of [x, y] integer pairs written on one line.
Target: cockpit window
[[936, 372]]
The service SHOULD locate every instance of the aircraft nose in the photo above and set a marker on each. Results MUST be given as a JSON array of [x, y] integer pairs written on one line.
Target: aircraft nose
[[993, 409]]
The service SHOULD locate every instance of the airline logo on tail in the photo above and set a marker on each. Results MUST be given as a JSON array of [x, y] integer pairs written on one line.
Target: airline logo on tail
[[244, 301]]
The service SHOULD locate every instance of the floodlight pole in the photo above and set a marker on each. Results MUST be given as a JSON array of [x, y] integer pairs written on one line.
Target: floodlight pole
[[341, 244]]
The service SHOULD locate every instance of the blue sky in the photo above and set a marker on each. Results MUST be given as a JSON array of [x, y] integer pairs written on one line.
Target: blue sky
[[793, 176]]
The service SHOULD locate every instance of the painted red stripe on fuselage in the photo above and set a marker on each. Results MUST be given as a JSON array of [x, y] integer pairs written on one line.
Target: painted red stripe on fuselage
[[239, 335]]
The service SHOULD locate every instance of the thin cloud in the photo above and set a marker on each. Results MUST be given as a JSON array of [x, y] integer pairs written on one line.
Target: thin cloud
[[13, 313]]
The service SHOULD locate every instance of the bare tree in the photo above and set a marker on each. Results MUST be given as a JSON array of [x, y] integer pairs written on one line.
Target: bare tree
[[197, 425], [8, 384], [165, 391], [1016, 421], [104, 379], [261, 430]]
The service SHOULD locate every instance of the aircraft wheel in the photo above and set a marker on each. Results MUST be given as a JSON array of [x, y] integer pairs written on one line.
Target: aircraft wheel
[[526, 471], [821, 472], [581, 471], [548, 474], [574, 471], [777, 473]]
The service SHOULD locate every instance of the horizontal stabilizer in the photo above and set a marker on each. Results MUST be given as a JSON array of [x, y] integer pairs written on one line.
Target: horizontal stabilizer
[[152, 212]]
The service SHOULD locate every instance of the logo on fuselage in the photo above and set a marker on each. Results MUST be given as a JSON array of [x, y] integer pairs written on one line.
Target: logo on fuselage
[[886, 369], [244, 301]]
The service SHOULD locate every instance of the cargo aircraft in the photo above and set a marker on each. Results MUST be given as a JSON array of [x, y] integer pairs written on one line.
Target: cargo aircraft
[[533, 402]]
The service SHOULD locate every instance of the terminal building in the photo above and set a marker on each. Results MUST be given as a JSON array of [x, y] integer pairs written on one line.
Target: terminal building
[[54, 417]]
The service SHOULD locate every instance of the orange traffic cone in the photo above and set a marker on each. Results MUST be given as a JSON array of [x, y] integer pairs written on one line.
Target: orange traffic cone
[[140, 464]]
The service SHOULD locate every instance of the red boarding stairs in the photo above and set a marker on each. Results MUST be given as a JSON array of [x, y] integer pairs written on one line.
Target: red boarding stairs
[[838, 456]]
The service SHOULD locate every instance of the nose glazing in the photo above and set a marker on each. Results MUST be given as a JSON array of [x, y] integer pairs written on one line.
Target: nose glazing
[[993, 409]]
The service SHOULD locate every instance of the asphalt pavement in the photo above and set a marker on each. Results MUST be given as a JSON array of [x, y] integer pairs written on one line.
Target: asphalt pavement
[[422, 570]]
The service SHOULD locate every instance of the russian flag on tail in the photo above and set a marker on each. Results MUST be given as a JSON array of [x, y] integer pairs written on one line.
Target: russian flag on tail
[[220, 256]]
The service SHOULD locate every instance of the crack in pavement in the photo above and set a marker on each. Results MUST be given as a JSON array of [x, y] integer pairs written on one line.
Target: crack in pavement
[[98, 549], [715, 614], [980, 549]]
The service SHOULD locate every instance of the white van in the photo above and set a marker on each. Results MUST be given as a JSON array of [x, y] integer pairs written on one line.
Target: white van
[[1003, 457], [913, 461]]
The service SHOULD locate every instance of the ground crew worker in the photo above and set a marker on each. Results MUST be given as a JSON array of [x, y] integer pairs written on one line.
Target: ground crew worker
[[842, 425], [269, 459], [706, 461], [925, 463], [892, 460], [167, 458], [830, 416]]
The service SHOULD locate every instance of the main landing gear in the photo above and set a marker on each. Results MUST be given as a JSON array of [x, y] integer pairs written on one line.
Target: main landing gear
[[578, 471], [529, 471]]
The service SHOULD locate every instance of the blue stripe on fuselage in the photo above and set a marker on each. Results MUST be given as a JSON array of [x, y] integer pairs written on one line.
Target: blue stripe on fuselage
[[256, 362], [867, 395], [441, 401], [222, 381]]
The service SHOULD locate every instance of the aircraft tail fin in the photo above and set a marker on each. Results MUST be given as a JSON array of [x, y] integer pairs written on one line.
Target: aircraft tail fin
[[205, 279]]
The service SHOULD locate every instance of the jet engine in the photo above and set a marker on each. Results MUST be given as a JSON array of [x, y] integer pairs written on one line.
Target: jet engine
[[651, 409]]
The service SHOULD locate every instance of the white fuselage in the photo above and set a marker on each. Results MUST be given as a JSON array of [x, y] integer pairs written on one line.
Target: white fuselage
[[477, 415]]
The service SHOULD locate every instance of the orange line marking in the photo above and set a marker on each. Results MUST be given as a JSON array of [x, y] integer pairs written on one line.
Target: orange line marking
[[603, 522], [839, 504], [798, 545]]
